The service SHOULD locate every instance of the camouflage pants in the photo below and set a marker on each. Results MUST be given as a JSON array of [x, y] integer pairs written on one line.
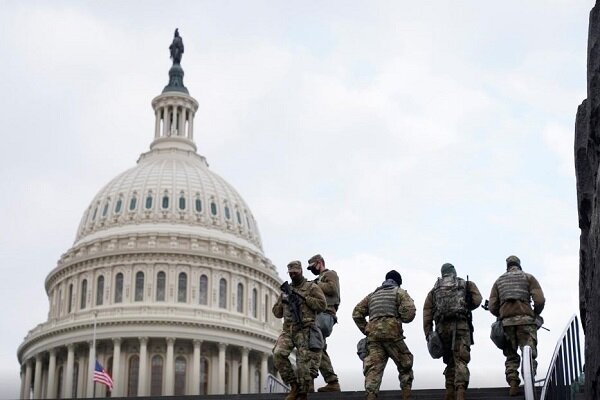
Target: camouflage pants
[[457, 358], [376, 360], [518, 336], [307, 361], [325, 367]]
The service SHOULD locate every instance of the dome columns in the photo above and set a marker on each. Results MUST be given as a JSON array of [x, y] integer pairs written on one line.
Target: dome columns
[[174, 121]]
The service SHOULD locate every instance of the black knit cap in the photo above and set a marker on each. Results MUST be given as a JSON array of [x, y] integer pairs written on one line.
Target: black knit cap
[[395, 275]]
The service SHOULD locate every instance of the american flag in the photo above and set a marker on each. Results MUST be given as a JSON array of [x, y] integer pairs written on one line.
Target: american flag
[[101, 376]]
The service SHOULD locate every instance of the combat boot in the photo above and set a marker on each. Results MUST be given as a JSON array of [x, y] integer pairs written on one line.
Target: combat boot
[[311, 386], [460, 393], [514, 388], [330, 387], [406, 393], [450, 394], [302, 396], [371, 396], [293, 394]]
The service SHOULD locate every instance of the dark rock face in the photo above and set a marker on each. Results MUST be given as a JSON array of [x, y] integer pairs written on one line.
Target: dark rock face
[[587, 162]]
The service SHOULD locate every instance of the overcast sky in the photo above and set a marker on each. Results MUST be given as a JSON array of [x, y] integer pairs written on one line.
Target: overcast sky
[[381, 134]]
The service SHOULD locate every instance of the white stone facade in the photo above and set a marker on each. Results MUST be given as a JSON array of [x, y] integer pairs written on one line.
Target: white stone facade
[[168, 263]]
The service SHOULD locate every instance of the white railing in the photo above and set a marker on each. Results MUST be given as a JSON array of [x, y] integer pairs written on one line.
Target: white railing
[[274, 385], [566, 365], [528, 373]]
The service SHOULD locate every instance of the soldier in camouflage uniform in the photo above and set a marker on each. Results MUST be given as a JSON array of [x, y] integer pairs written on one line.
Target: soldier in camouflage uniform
[[449, 304], [387, 308], [303, 334], [329, 283], [510, 300]]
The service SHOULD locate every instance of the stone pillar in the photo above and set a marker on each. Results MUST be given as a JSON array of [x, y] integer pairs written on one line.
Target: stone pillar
[[221, 381], [191, 125], [234, 388], [170, 376], [37, 381], [51, 388], [68, 389], [82, 377], [264, 371], [196, 368], [157, 123], [90, 370], [142, 382], [116, 368], [244, 377], [22, 392]]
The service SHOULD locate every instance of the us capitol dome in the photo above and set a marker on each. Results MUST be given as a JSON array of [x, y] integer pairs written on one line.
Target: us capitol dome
[[168, 270]]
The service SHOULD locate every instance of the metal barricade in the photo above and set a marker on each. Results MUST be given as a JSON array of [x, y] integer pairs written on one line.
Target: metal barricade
[[274, 385], [528, 373], [566, 365]]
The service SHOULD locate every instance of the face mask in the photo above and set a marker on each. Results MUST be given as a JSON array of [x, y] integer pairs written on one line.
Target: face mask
[[297, 279], [314, 270]]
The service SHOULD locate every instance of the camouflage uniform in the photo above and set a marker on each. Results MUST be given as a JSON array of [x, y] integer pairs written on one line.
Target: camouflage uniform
[[452, 326], [384, 333], [329, 283], [510, 300], [297, 334]]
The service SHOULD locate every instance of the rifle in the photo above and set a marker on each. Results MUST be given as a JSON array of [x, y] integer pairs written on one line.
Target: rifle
[[469, 300], [294, 301]]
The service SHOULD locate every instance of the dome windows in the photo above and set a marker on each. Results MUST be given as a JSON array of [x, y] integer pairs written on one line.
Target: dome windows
[[165, 201], [161, 279], [240, 298], [239, 217], [227, 213], [222, 293], [139, 286], [105, 209], [119, 288], [118, 206], [133, 202], [95, 213], [181, 202], [100, 290], [198, 205], [213, 208], [182, 288], [203, 297], [254, 303], [149, 200], [83, 294]]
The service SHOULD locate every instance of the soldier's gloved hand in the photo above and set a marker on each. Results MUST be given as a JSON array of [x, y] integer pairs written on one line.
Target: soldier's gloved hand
[[284, 298]]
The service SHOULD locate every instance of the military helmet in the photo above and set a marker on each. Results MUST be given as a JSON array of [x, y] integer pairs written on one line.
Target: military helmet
[[513, 260], [447, 269]]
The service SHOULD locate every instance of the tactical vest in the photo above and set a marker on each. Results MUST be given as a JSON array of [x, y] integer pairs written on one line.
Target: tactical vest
[[382, 303], [449, 298], [513, 285]]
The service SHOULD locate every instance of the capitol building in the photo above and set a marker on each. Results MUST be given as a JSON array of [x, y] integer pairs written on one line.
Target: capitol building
[[167, 273]]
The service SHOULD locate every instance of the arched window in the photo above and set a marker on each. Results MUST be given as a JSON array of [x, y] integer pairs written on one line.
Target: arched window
[[180, 373], [105, 209], [267, 308], [119, 288], [182, 202], [156, 376], [70, 299], [59, 384], [182, 288], [94, 214], [75, 378], [198, 205], [160, 286], [203, 297], [213, 208], [204, 370], [118, 206], [240, 298], [100, 290], [83, 294], [133, 203], [254, 303], [165, 201], [139, 286], [133, 376], [239, 217], [149, 201], [227, 213], [223, 293]]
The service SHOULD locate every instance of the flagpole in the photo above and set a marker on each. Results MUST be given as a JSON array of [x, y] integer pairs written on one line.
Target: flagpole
[[94, 361]]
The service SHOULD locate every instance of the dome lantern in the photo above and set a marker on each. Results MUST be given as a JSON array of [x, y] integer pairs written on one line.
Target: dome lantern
[[174, 108]]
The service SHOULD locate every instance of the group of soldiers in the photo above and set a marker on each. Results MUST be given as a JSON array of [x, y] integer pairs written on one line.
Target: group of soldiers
[[309, 308]]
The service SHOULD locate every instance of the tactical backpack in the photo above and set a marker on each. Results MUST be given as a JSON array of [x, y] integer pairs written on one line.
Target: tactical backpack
[[449, 298]]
